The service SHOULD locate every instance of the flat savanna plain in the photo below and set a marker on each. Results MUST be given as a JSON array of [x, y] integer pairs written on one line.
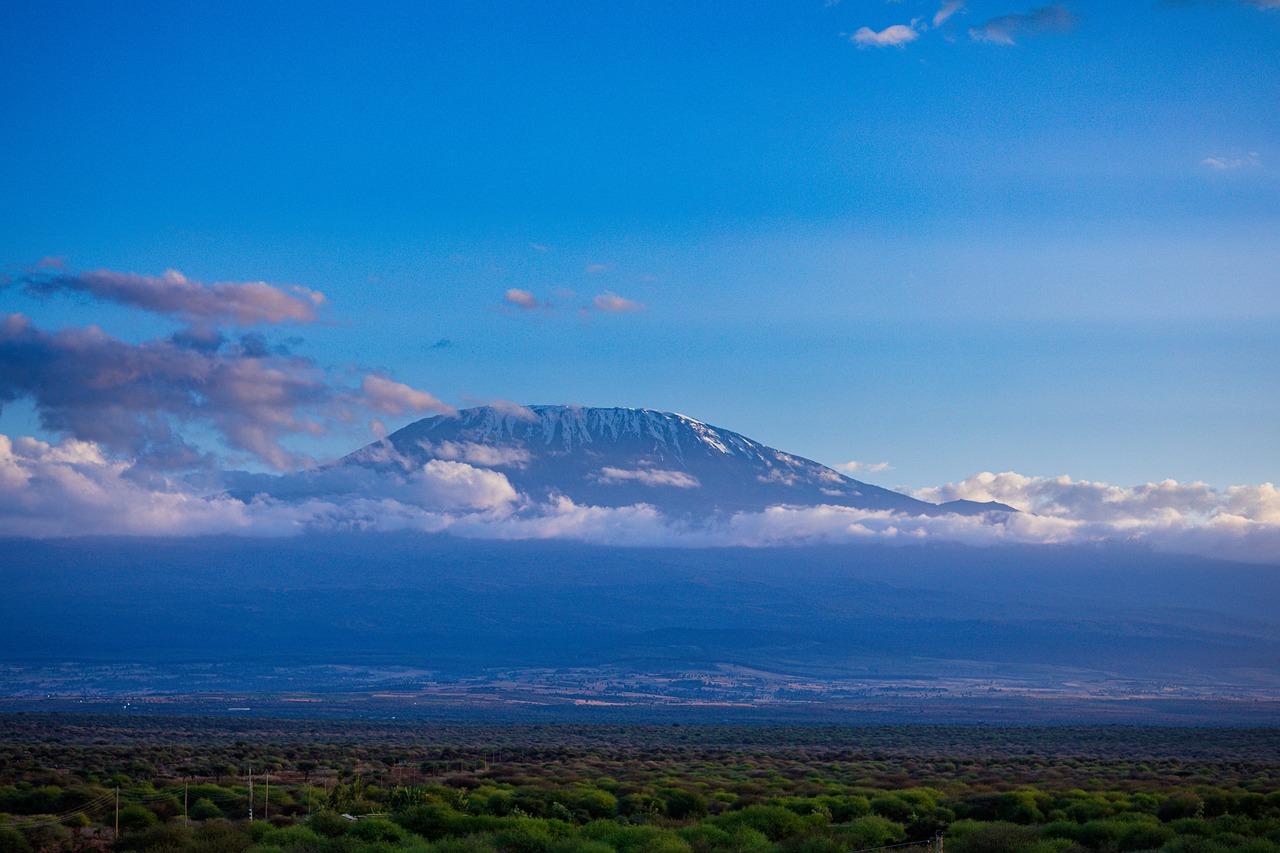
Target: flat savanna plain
[[452, 788], [721, 695]]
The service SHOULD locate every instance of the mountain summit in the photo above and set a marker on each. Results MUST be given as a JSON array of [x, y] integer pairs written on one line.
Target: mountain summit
[[619, 457]]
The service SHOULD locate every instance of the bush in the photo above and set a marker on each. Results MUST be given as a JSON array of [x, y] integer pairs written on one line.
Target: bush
[[12, 841], [967, 836], [378, 829], [304, 837], [166, 837], [330, 824], [203, 809], [774, 822], [136, 818], [219, 836], [870, 831]]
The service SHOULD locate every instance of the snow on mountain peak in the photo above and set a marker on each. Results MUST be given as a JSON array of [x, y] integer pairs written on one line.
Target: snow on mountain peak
[[625, 457]]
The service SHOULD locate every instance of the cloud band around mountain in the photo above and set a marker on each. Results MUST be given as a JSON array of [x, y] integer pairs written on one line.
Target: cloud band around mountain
[[73, 488]]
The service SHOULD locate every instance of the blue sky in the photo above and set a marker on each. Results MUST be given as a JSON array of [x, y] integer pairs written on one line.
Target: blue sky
[[1059, 255]]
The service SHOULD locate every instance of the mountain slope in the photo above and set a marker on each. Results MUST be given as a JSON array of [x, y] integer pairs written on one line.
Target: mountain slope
[[619, 457]]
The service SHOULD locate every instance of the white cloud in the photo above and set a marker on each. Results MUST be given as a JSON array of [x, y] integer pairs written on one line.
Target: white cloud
[[455, 486], [1239, 521], [856, 467], [482, 455], [522, 299], [395, 398], [648, 477], [1081, 500], [898, 35], [561, 518], [72, 489]]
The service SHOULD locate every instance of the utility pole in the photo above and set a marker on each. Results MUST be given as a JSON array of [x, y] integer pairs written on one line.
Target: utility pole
[[251, 793], [117, 811], [266, 800], [184, 803]]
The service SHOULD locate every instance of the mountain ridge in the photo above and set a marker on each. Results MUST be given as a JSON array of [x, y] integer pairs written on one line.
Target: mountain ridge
[[618, 456]]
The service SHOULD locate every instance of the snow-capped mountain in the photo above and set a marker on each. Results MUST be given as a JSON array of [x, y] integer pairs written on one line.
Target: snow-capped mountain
[[620, 457]]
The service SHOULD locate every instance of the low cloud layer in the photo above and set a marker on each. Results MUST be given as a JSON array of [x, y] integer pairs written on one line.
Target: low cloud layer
[[73, 488], [1166, 502]]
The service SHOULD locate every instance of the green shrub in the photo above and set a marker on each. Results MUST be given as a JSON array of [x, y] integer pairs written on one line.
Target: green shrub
[[136, 818], [774, 822], [329, 824], [204, 809], [968, 836], [378, 829]]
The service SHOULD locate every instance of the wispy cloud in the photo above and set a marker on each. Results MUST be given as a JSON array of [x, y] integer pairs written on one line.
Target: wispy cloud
[[1228, 163], [611, 303], [648, 477], [898, 35], [948, 9], [1265, 5], [856, 467], [244, 303], [506, 408], [1007, 29]]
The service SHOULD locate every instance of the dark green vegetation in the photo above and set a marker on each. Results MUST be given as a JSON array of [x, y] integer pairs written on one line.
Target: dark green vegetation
[[182, 786]]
